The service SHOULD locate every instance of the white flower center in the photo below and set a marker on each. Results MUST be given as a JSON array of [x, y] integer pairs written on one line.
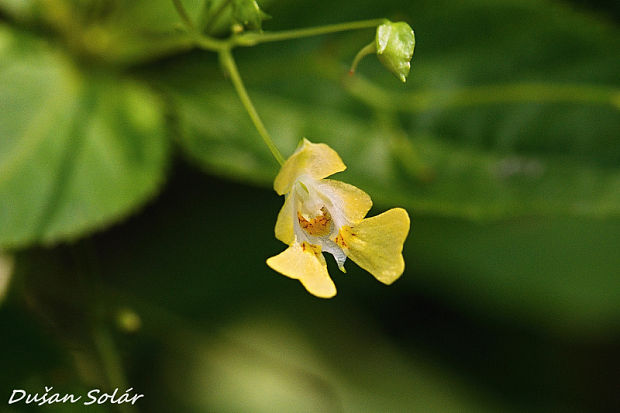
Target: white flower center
[[317, 218]]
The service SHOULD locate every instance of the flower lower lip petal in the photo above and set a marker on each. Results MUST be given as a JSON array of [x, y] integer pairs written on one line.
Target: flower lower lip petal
[[305, 262]]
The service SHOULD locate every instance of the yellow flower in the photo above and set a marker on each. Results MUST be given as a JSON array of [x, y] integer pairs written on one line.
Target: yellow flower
[[322, 215]]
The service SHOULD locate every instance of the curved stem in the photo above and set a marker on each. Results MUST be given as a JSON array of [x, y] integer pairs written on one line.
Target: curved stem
[[229, 63], [223, 47], [366, 50]]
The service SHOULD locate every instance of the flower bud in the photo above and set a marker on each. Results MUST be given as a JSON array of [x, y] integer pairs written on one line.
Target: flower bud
[[395, 43], [247, 14]]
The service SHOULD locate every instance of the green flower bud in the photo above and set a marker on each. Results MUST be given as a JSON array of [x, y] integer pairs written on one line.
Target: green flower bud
[[247, 13], [394, 44]]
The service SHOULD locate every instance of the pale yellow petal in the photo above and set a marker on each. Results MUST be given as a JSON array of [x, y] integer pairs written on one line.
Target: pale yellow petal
[[305, 262], [376, 244], [285, 230], [350, 200], [314, 159]]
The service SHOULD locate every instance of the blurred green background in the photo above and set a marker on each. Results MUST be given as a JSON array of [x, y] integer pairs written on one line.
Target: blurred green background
[[136, 209]]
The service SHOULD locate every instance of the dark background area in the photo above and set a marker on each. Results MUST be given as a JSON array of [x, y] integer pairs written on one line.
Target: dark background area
[[512, 314]]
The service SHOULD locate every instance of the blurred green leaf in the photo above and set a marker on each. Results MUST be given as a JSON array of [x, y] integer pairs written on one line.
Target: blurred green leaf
[[551, 274], [267, 362], [121, 32], [137, 16], [79, 149], [423, 173], [509, 111], [495, 125], [178, 266], [560, 273]]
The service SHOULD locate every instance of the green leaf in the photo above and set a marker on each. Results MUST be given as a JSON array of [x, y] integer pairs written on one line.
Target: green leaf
[[495, 122], [79, 150], [272, 361], [123, 32], [559, 274], [422, 173]]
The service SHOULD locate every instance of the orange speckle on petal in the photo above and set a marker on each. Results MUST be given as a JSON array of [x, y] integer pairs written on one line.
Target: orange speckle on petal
[[317, 226], [314, 249], [339, 240]]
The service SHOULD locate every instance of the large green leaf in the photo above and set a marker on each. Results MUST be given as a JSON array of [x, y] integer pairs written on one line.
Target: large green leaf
[[494, 123], [79, 149], [120, 32], [315, 361], [561, 273]]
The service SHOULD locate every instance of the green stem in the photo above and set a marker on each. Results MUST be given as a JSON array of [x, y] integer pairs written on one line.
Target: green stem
[[223, 47], [111, 362], [254, 38], [103, 343], [482, 95], [229, 63], [210, 43], [370, 48], [178, 5], [250, 39], [515, 93]]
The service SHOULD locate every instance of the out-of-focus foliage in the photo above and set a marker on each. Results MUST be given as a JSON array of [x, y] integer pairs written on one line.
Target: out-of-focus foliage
[[225, 346], [224, 335], [78, 151], [511, 111], [496, 121]]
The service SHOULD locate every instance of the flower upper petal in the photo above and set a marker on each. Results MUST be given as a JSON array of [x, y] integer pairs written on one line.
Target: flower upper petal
[[285, 230], [376, 244], [314, 159], [305, 262], [350, 200]]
